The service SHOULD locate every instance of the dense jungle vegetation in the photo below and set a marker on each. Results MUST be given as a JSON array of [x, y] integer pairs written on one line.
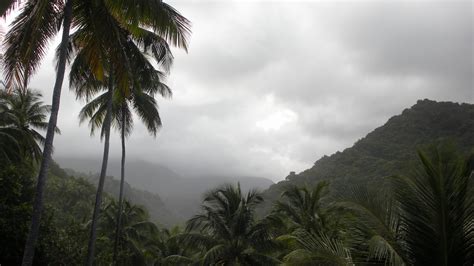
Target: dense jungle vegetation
[[425, 217]]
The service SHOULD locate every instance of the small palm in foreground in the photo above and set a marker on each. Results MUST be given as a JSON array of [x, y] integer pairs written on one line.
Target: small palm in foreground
[[430, 218], [137, 237], [229, 233], [302, 207], [438, 209], [173, 250], [313, 229]]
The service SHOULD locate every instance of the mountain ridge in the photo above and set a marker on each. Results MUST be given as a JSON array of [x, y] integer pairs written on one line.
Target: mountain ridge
[[391, 148]]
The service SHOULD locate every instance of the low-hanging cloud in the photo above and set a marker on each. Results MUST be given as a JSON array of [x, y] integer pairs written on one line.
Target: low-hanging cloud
[[269, 87]]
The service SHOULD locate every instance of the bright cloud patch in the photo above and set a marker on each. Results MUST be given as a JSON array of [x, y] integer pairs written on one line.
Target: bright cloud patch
[[277, 120]]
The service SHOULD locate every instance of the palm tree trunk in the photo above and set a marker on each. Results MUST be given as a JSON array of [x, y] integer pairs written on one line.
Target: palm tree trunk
[[103, 173], [122, 181], [32, 237]]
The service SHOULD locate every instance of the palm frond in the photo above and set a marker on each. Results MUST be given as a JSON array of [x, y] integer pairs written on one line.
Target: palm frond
[[319, 249], [159, 16], [7, 6], [27, 40], [438, 209]]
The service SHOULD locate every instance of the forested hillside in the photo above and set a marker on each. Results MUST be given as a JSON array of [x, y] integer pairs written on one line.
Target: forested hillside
[[389, 149]]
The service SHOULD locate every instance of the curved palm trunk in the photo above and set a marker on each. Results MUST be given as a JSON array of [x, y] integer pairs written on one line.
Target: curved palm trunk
[[48, 145], [103, 172], [122, 181]]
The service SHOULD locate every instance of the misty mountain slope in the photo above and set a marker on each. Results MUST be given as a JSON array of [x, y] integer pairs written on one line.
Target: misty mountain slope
[[140, 174], [182, 196], [152, 202], [391, 148]]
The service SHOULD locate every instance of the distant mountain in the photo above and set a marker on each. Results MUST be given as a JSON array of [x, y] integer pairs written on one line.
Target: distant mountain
[[391, 148], [140, 173], [156, 208], [182, 196]]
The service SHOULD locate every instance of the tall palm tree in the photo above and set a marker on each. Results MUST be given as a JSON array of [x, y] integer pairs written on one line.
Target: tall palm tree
[[112, 49], [26, 44], [228, 232], [430, 218], [144, 105], [124, 65]]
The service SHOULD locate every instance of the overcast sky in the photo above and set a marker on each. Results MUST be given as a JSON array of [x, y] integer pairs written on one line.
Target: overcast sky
[[268, 87]]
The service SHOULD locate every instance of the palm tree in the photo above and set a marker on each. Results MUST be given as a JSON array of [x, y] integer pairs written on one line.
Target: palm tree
[[375, 230], [9, 146], [430, 218], [228, 232], [172, 249], [137, 239], [301, 207], [311, 230], [26, 44], [114, 52], [145, 106], [23, 115]]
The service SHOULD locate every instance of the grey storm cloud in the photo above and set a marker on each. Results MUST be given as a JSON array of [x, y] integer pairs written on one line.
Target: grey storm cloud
[[268, 87]]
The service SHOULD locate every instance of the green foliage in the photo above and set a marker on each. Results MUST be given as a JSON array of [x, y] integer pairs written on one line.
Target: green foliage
[[302, 207], [173, 250], [317, 249], [425, 218], [437, 208], [228, 233], [315, 231], [137, 240], [22, 114], [16, 195]]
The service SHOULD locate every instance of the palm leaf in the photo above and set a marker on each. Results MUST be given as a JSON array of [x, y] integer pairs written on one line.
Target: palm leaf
[[28, 39]]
